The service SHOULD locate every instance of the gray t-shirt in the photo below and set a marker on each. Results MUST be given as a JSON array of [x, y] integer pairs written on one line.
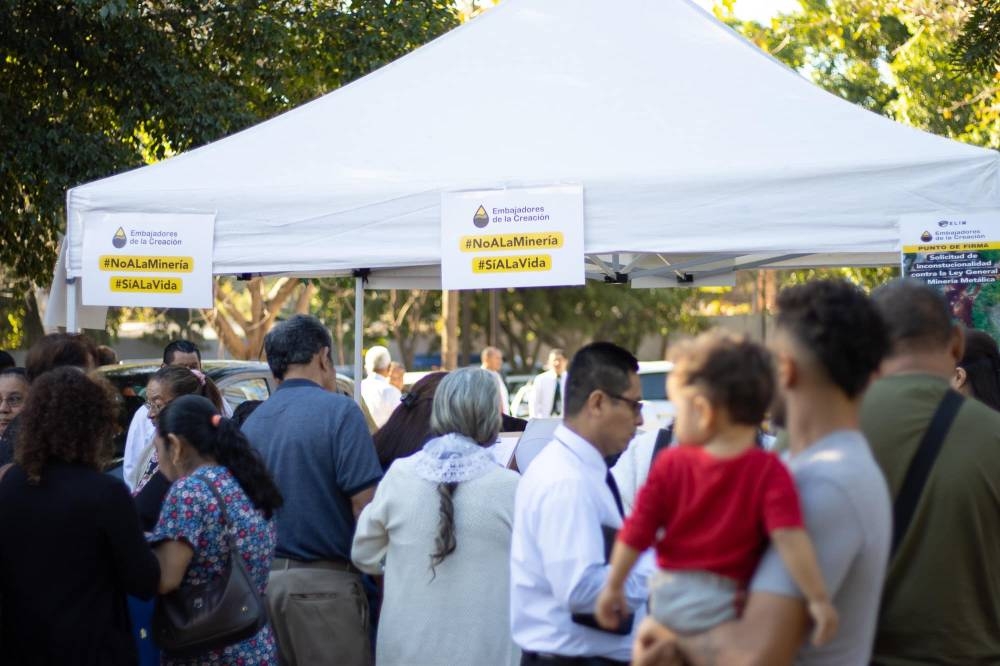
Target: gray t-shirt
[[848, 514]]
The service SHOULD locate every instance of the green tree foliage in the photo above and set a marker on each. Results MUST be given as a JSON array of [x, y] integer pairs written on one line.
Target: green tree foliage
[[89, 88], [894, 57], [978, 46], [570, 317]]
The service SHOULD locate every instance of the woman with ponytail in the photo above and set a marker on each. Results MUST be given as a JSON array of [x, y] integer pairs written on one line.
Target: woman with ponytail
[[439, 529], [197, 448]]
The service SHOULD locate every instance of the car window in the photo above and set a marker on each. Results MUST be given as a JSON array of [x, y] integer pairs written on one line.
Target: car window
[[654, 385], [241, 390]]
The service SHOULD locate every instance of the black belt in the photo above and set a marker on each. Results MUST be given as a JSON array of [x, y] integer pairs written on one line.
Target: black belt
[[284, 564], [547, 659]]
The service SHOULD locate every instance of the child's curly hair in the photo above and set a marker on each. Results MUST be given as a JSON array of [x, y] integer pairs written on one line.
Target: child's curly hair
[[734, 372]]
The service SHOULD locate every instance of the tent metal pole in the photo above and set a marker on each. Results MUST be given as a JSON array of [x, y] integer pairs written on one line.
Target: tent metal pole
[[359, 317], [71, 313]]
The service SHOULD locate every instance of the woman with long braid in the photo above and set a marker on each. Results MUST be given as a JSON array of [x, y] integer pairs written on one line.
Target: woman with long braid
[[439, 529]]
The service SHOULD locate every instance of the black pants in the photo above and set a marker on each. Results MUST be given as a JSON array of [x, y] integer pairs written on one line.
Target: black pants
[[535, 659]]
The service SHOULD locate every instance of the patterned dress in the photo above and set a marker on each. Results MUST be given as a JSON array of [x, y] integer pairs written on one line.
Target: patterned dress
[[191, 514]]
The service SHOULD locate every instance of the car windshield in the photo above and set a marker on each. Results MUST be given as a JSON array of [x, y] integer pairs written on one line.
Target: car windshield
[[654, 385]]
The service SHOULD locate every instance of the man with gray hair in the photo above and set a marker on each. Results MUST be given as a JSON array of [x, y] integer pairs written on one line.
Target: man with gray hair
[[379, 395], [316, 445], [942, 593]]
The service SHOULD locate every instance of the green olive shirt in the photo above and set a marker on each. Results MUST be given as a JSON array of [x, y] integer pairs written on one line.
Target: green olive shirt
[[941, 601]]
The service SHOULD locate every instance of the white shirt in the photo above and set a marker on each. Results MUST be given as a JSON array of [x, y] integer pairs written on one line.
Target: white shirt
[[137, 446], [380, 396], [543, 395], [557, 564], [504, 393], [632, 468]]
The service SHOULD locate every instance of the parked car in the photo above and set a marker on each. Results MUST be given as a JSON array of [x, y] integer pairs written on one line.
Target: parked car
[[519, 390], [238, 381], [657, 410]]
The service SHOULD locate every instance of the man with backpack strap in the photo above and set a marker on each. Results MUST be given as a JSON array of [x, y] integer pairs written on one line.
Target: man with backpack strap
[[941, 601]]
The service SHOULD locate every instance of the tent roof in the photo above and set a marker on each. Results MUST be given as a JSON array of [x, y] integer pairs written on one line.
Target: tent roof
[[687, 139]]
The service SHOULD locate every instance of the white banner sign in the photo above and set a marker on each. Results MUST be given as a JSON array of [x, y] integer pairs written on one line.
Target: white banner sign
[[526, 237], [149, 259], [958, 254]]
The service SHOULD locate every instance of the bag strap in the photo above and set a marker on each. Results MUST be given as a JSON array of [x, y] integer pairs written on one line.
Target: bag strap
[[4, 470], [920, 467], [226, 523]]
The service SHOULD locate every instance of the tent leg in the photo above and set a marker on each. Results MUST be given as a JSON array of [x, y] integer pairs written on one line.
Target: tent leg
[[71, 313], [359, 317]]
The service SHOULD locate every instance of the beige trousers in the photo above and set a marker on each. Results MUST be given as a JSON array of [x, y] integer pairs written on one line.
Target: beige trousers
[[319, 617]]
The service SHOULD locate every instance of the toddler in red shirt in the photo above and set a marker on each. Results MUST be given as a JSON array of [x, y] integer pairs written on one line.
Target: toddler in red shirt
[[711, 504]]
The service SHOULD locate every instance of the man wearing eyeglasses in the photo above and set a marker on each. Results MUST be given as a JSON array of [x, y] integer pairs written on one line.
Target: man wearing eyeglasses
[[565, 515]]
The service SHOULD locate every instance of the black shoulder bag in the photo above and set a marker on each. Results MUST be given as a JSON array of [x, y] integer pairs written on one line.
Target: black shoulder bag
[[195, 619], [920, 466]]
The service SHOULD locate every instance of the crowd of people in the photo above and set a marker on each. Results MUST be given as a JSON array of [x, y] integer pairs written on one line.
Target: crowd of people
[[830, 498]]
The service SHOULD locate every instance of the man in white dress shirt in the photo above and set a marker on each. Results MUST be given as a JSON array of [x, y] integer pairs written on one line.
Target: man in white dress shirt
[[379, 395], [548, 391], [492, 359], [565, 498]]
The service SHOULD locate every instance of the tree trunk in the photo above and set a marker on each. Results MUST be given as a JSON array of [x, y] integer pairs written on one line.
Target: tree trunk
[[339, 337], [449, 338], [465, 331], [33, 329]]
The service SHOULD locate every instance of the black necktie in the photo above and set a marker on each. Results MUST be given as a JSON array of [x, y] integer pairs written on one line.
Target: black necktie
[[557, 399], [610, 480]]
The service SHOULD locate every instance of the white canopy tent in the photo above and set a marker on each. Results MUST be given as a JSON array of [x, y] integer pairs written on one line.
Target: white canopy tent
[[697, 153]]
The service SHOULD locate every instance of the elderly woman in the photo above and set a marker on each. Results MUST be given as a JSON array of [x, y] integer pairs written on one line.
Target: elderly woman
[[70, 543], [166, 384], [446, 571]]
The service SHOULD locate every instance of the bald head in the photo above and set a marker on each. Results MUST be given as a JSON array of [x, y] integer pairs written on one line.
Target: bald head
[[492, 358]]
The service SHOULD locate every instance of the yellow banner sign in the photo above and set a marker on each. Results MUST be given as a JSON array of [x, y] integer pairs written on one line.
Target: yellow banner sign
[[972, 246], [117, 262], [545, 240], [146, 285], [533, 263]]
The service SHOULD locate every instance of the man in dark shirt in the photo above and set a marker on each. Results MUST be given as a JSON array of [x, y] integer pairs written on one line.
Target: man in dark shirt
[[317, 446]]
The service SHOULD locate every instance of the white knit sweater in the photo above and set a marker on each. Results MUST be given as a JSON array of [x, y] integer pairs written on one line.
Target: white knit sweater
[[462, 615]]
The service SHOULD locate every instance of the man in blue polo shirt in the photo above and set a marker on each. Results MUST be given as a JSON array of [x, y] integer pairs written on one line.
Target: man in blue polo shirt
[[316, 445]]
